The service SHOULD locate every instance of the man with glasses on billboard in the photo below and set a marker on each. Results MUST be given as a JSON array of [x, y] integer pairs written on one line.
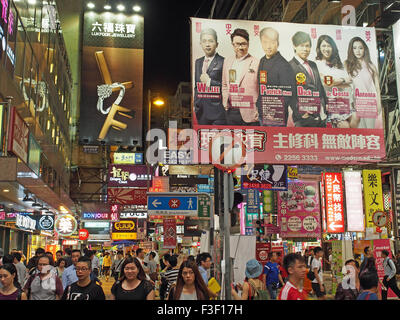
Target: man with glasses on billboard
[[239, 83], [208, 76]]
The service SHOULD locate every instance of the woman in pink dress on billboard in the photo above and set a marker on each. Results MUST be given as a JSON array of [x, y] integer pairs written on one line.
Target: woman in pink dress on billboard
[[336, 81], [367, 97]]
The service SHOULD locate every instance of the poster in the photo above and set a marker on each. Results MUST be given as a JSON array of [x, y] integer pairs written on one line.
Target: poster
[[334, 202], [112, 79], [299, 210], [291, 93]]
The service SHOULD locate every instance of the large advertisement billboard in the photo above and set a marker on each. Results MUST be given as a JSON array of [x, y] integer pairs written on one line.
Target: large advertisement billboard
[[112, 79], [291, 93]]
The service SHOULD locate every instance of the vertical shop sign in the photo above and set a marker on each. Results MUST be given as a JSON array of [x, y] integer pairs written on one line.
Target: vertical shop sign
[[18, 136], [169, 233], [323, 208], [334, 202], [396, 175], [253, 201], [373, 197], [112, 78], [354, 203]]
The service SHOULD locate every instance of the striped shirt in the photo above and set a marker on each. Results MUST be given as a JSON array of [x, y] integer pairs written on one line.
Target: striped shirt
[[290, 292], [171, 276]]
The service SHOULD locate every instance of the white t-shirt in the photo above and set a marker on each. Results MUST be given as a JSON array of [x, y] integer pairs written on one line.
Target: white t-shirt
[[316, 263]]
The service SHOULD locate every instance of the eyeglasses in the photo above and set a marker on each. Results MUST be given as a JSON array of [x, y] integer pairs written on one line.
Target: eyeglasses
[[241, 44], [82, 269]]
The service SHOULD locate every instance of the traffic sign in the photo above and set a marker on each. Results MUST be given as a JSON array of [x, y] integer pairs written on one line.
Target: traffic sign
[[172, 203]]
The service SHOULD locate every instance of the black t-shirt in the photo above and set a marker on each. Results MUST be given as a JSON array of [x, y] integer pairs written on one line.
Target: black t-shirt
[[91, 292], [139, 293]]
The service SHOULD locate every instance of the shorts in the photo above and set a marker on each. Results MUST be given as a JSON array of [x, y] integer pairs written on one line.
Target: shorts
[[317, 290], [106, 269]]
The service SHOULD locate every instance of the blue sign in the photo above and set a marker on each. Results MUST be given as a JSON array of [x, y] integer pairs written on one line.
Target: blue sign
[[139, 158], [253, 201], [172, 205]]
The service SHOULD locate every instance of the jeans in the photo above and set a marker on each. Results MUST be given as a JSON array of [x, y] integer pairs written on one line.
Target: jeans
[[273, 290]]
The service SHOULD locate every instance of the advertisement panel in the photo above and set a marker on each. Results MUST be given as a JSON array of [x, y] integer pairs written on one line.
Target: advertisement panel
[[373, 197], [292, 93], [112, 79], [299, 210], [264, 177], [96, 216], [169, 233], [354, 201], [127, 176], [18, 136], [334, 202]]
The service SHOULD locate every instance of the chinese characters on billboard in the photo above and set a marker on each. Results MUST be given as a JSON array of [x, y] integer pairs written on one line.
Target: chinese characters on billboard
[[292, 93], [334, 202]]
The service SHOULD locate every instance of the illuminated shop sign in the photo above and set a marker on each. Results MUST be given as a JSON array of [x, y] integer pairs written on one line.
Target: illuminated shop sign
[[25, 222], [128, 158], [65, 224], [354, 201], [128, 176], [334, 202], [96, 216]]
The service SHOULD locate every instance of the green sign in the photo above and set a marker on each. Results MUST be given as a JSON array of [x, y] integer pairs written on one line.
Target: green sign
[[204, 206]]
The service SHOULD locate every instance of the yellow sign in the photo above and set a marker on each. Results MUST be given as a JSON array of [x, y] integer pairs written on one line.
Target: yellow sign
[[123, 236], [124, 225], [373, 196], [127, 158], [292, 172]]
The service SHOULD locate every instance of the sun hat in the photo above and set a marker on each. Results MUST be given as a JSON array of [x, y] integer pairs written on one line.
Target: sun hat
[[253, 269]]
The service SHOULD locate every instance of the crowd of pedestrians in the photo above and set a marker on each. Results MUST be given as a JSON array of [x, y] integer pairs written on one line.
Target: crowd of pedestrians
[[76, 275]]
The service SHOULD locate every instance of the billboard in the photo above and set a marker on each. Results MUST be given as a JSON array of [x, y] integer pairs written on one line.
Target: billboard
[[112, 79], [287, 93], [299, 210], [334, 202]]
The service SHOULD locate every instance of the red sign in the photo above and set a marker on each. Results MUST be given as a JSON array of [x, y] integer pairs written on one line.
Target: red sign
[[334, 202], [127, 196], [2, 215], [83, 234], [18, 136], [262, 250], [169, 233]]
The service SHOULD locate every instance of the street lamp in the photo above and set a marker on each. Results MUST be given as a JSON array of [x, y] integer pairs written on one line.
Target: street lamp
[[158, 101]]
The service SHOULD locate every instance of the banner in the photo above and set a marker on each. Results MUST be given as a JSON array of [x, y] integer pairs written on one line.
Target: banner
[[169, 233], [334, 202], [299, 210], [354, 201], [337, 263], [293, 93], [373, 197], [112, 79], [264, 177]]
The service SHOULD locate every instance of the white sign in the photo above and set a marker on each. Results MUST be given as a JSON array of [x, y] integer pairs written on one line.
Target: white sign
[[354, 201], [99, 237], [25, 222], [133, 214], [97, 224]]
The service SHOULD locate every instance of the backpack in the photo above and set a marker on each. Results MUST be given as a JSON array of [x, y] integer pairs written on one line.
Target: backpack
[[390, 265], [259, 294]]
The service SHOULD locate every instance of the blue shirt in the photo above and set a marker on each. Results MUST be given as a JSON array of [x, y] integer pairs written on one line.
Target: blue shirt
[[363, 296], [271, 270], [69, 276], [203, 273]]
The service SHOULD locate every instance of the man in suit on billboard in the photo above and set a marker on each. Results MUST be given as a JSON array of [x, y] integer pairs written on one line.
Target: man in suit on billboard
[[239, 83], [274, 72], [313, 112], [208, 74]]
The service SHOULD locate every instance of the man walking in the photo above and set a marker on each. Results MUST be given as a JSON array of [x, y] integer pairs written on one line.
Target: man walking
[[83, 288], [69, 275], [116, 265], [296, 268], [389, 280], [316, 266], [272, 276]]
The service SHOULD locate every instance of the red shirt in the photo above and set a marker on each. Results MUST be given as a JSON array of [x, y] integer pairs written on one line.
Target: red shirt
[[284, 273], [290, 292]]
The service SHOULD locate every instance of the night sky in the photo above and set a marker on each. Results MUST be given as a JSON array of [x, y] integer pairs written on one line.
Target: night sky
[[167, 42]]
